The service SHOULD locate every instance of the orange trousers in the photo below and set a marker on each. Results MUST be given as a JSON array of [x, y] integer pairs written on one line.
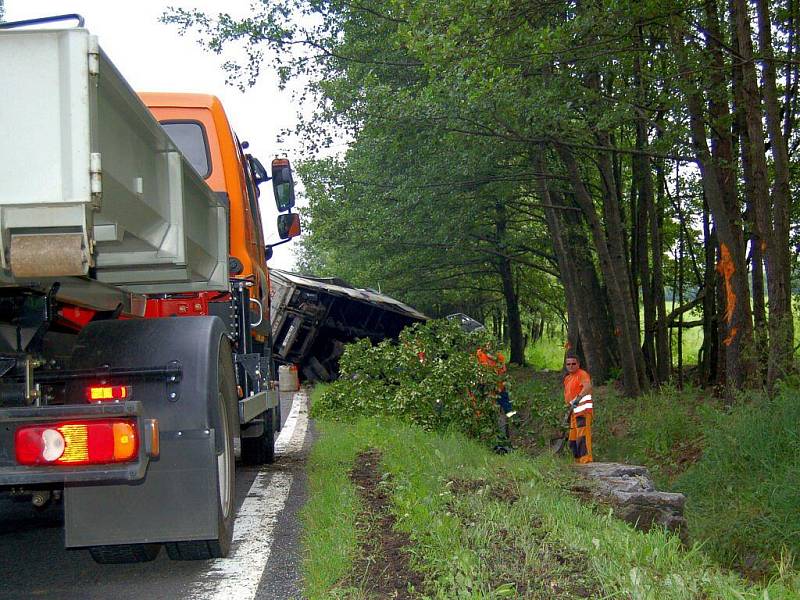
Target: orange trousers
[[580, 436]]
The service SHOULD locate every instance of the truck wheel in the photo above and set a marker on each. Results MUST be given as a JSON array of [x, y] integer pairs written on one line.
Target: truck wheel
[[220, 547], [261, 450], [124, 553]]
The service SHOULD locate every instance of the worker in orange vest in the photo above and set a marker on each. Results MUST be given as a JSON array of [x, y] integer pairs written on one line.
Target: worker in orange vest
[[578, 395], [497, 362]]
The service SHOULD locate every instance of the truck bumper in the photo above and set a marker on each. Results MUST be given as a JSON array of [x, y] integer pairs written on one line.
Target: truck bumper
[[13, 474]]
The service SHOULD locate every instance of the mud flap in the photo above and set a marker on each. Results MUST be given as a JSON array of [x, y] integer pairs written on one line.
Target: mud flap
[[177, 499]]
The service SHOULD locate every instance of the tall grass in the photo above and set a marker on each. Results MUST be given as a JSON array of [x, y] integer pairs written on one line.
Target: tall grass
[[534, 540], [739, 467], [547, 353], [744, 494]]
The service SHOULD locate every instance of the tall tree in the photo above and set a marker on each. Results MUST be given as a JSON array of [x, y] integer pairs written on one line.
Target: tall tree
[[499, 149]]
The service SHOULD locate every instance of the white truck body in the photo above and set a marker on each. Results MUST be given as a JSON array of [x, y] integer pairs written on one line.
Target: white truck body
[[90, 184]]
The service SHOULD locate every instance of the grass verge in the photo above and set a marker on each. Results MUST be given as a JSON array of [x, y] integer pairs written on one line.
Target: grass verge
[[488, 526], [739, 467]]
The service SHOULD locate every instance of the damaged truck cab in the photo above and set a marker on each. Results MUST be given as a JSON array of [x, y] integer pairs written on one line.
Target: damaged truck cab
[[119, 213]]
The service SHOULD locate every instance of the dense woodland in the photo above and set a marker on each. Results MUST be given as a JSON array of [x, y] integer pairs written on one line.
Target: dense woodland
[[623, 167]]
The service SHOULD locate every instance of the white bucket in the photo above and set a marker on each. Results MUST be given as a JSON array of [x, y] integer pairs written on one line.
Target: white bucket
[[288, 381]]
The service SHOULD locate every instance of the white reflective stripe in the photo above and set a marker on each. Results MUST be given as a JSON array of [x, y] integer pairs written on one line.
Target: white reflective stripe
[[586, 398], [582, 407]]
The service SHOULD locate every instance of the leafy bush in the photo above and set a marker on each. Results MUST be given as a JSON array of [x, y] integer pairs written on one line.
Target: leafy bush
[[430, 376]]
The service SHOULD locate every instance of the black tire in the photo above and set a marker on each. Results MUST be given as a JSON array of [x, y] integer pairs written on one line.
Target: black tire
[[124, 553], [260, 450], [220, 547]]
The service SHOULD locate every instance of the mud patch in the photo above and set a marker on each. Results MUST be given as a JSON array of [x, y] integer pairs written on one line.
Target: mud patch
[[682, 456], [502, 491], [382, 569]]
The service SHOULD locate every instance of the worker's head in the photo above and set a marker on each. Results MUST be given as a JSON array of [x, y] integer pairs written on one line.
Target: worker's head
[[572, 362]]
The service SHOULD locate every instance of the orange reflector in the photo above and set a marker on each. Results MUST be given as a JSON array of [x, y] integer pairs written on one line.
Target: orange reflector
[[77, 443], [124, 441], [107, 393], [155, 441]]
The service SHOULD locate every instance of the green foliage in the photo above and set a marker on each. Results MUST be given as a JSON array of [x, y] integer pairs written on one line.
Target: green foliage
[[739, 467], [743, 495], [430, 376], [443, 105], [488, 526], [546, 354]]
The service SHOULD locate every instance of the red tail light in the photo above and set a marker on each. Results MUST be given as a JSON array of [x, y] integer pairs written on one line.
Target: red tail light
[[108, 393], [77, 443]]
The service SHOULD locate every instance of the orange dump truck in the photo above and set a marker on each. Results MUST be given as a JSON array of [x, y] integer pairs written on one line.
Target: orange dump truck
[[118, 214]]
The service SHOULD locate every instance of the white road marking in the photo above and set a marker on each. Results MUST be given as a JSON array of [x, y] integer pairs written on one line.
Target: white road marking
[[238, 575], [291, 438]]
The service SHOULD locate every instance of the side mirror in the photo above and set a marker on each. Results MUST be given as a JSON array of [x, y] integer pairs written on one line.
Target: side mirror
[[283, 184], [288, 226], [260, 174]]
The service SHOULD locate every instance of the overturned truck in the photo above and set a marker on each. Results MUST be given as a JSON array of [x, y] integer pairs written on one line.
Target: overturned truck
[[314, 317]]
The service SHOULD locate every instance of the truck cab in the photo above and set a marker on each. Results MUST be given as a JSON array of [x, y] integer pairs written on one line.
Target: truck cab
[[198, 125]]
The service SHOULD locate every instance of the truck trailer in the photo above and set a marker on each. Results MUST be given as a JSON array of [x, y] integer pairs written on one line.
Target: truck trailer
[[313, 318], [134, 297]]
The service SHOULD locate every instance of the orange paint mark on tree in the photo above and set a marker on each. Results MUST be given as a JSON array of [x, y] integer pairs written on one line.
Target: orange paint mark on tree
[[731, 336], [726, 268]]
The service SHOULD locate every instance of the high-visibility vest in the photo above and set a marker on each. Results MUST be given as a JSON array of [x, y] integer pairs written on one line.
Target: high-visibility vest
[[573, 383], [584, 405]]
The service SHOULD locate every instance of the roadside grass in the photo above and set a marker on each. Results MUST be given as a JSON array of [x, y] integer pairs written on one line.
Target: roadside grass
[[738, 466], [663, 430], [489, 526], [328, 517], [744, 493]]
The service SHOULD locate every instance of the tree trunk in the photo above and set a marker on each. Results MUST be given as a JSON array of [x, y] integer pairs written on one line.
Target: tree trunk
[[709, 359], [663, 359], [756, 256], [616, 286], [759, 306], [740, 366], [781, 328], [513, 330], [585, 301], [595, 299], [615, 234], [643, 183], [515, 335], [763, 205]]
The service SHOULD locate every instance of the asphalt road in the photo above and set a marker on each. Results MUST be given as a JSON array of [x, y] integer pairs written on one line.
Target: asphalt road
[[264, 561]]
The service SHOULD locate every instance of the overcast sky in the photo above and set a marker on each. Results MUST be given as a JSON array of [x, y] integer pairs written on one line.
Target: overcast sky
[[152, 57]]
